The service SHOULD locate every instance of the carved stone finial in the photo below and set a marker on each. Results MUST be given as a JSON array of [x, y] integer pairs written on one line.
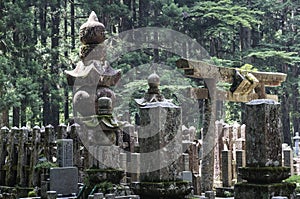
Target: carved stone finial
[[153, 82], [92, 31], [104, 106]]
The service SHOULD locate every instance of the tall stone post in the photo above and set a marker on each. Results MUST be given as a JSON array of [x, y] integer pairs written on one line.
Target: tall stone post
[[240, 162], [227, 168], [160, 146], [264, 172], [12, 158], [35, 143], [3, 153]]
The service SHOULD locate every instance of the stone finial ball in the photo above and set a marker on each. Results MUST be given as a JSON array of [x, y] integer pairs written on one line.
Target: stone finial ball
[[153, 80], [92, 31], [84, 103]]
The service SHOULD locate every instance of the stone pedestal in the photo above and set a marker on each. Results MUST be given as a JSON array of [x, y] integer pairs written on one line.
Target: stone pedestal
[[264, 172]]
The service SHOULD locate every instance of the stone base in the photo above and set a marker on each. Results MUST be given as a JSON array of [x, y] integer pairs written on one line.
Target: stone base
[[96, 176], [162, 190], [264, 191], [224, 192]]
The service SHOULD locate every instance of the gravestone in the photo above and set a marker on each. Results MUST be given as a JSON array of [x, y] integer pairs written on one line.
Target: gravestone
[[65, 152], [264, 172], [64, 180], [226, 168]]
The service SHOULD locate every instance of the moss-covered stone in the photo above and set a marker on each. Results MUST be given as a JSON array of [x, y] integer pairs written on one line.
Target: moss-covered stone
[[263, 191], [264, 175], [162, 190]]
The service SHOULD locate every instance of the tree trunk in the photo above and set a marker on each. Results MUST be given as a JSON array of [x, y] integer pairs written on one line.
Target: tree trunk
[[144, 6], [16, 116], [55, 10], [23, 113]]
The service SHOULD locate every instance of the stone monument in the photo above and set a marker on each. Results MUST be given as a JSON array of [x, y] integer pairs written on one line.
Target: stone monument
[[93, 102], [264, 171], [160, 146]]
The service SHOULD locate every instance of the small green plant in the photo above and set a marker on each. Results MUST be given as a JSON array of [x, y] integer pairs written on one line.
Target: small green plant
[[105, 186], [45, 165], [32, 194], [228, 194]]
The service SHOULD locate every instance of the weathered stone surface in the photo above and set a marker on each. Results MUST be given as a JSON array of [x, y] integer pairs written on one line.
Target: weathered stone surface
[[64, 180], [263, 191], [226, 168], [263, 134], [166, 190], [160, 134], [65, 152]]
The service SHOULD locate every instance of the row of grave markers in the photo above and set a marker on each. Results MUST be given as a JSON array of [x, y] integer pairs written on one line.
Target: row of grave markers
[[23, 149]]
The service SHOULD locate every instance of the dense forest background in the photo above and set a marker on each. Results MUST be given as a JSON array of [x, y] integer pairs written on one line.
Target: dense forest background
[[39, 40]]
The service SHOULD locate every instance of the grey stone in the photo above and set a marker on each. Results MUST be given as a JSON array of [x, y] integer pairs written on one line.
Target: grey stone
[[210, 194], [226, 168], [110, 196], [187, 176], [98, 196], [64, 180], [279, 197], [65, 152]]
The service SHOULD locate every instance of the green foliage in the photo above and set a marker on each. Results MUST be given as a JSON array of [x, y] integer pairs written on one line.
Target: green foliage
[[45, 165], [32, 194], [294, 179]]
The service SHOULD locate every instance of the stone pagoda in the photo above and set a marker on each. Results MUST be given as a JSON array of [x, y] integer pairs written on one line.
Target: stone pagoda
[[93, 103]]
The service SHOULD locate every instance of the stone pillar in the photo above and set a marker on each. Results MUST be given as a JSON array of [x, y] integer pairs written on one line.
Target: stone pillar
[[76, 145], [226, 168], [3, 153], [135, 167], [12, 158], [264, 172], [263, 134], [160, 140], [288, 159], [48, 140], [186, 163], [62, 132], [65, 152], [296, 141], [35, 143], [240, 162], [157, 124], [22, 157]]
